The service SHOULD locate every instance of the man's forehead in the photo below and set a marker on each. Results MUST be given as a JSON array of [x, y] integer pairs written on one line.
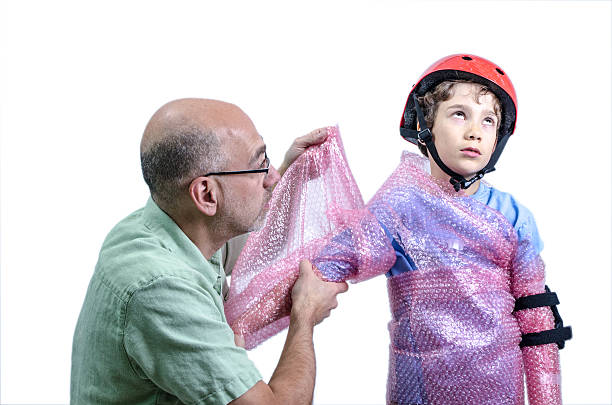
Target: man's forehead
[[244, 144], [259, 148]]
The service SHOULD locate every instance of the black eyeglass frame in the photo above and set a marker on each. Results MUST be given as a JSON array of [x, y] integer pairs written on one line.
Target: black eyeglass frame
[[266, 170]]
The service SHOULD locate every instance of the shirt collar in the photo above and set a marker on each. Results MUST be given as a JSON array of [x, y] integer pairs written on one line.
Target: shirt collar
[[175, 240], [483, 192]]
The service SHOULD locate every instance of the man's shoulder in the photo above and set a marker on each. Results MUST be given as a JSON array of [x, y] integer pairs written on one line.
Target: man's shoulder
[[134, 254]]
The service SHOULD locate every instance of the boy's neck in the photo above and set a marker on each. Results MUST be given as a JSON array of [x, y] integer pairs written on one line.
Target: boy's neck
[[437, 173]]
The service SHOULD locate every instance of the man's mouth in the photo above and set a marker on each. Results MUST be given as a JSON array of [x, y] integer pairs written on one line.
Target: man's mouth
[[266, 205]]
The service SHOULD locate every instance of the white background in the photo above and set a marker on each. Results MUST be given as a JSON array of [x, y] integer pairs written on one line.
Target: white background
[[80, 79]]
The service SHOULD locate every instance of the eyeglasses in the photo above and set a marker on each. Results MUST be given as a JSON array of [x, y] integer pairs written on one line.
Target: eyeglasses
[[266, 163]]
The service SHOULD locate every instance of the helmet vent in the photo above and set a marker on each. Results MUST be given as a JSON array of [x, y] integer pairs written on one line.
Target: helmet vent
[[466, 58], [501, 72]]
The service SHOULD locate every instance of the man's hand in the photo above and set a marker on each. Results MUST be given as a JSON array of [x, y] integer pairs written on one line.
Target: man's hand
[[294, 377], [239, 340], [313, 299], [300, 144]]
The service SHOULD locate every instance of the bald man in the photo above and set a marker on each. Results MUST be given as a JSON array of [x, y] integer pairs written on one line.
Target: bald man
[[152, 328]]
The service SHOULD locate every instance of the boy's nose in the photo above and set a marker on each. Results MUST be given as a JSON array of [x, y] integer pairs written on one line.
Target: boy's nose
[[473, 132]]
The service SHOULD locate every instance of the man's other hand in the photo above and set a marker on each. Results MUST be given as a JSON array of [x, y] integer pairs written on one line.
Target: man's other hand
[[313, 299], [300, 144]]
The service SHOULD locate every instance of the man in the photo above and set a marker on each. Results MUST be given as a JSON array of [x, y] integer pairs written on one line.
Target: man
[[152, 328]]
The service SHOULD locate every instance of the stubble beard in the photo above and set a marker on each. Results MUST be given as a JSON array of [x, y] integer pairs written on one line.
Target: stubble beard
[[236, 222], [263, 215]]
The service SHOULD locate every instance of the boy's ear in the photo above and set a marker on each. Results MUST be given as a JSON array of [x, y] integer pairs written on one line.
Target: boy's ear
[[204, 192]]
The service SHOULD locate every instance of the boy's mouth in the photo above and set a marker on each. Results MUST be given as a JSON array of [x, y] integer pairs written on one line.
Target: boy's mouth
[[471, 152]]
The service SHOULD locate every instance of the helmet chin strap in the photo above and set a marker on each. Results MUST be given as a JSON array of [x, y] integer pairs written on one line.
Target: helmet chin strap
[[425, 137]]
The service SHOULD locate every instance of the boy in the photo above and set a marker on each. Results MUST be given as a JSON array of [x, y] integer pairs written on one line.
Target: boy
[[470, 311], [464, 253]]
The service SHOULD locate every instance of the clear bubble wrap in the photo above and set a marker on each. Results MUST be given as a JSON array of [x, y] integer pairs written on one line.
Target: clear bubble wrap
[[453, 336], [316, 199]]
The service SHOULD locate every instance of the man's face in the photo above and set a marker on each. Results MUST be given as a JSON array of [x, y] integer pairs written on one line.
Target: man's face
[[464, 131], [245, 196]]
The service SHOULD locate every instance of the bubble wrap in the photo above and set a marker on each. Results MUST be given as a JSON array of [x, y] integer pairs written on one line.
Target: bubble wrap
[[316, 200], [454, 338]]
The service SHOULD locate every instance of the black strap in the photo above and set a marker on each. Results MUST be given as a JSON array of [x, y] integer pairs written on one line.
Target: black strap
[[546, 299], [499, 148], [425, 136], [557, 335]]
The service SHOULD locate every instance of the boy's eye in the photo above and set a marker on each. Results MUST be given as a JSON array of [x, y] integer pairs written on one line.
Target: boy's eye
[[459, 114], [489, 121]]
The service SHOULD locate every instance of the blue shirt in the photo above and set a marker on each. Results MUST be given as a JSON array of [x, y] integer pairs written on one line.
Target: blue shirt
[[518, 215]]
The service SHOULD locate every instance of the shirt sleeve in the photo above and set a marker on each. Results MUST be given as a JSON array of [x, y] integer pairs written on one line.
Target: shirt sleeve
[[176, 337], [527, 229]]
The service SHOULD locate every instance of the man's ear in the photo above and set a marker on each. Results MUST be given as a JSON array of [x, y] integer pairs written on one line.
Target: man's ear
[[203, 192]]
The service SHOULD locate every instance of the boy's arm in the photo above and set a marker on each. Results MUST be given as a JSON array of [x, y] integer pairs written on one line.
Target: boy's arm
[[361, 250], [541, 362]]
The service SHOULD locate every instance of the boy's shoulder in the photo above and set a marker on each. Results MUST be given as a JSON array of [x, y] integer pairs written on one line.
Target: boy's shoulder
[[516, 213]]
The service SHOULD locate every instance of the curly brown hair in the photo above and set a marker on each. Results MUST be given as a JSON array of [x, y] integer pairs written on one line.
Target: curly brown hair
[[430, 101]]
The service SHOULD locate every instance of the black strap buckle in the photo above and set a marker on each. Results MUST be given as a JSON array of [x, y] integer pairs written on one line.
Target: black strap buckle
[[460, 182], [424, 136]]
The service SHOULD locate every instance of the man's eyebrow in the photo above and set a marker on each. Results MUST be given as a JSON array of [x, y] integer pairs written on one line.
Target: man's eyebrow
[[257, 154]]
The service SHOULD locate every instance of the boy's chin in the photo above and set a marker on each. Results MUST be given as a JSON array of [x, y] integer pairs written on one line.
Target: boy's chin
[[468, 172]]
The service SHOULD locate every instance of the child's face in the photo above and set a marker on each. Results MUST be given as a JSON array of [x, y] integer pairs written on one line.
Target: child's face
[[465, 131]]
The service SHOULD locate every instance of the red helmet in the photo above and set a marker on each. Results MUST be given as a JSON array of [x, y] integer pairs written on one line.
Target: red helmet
[[464, 67]]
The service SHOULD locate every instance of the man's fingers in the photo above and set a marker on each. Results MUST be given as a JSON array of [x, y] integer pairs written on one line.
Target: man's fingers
[[334, 303], [239, 340], [305, 267], [342, 287], [313, 138]]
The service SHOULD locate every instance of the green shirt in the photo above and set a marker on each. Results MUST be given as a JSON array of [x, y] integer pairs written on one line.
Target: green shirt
[[152, 328]]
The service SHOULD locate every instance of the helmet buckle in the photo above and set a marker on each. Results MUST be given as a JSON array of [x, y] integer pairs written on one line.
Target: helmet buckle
[[424, 136]]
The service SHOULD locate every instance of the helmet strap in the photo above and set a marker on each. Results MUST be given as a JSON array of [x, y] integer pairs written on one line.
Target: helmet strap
[[425, 137]]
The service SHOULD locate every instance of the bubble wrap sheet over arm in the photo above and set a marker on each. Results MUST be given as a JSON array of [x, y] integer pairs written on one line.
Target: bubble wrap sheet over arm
[[316, 211], [541, 363]]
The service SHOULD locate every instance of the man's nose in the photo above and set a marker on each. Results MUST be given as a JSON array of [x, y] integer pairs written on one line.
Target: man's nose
[[272, 177]]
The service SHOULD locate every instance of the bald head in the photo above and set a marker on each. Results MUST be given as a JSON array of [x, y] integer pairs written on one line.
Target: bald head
[[207, 115], [184, 139]]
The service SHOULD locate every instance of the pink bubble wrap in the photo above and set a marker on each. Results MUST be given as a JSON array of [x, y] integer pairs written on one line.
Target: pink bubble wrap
[[454, 337], [316, 199]]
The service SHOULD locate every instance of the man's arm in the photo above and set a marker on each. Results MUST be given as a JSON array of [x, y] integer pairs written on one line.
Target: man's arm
[[293, 380]]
